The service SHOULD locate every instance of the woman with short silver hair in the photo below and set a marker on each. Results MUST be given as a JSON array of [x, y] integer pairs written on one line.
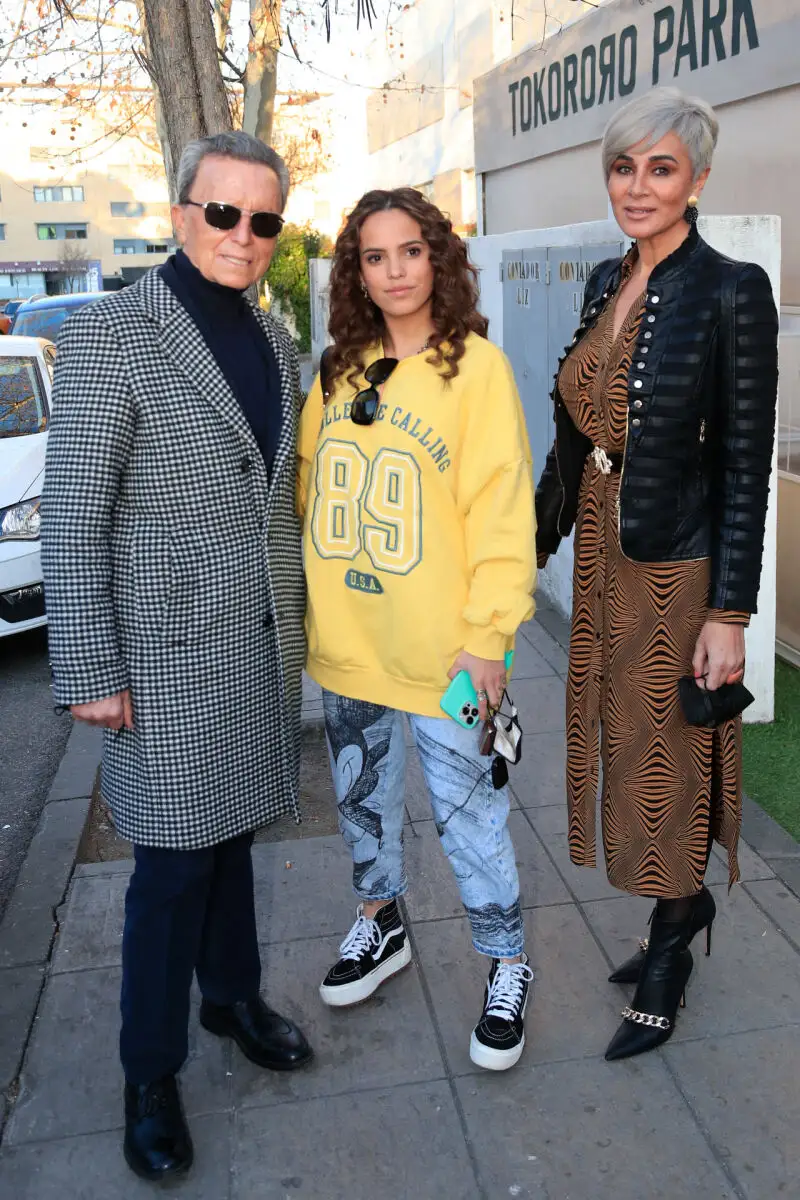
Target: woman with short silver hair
[[664, 409]]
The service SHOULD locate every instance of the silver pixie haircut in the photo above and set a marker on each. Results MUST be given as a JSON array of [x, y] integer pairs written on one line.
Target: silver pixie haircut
[[236, 144], [648, 119]]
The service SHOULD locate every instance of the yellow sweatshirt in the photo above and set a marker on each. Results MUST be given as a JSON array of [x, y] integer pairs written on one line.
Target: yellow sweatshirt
[[419, 533]]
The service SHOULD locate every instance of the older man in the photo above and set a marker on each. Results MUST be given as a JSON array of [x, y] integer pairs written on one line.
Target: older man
[[175, 596]]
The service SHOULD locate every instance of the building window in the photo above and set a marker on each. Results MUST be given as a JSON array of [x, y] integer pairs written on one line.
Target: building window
[[142, 246], [54, 233], [127, 208], [51, 195]]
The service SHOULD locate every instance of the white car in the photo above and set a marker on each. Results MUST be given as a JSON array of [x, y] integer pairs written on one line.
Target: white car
[[26, 372]]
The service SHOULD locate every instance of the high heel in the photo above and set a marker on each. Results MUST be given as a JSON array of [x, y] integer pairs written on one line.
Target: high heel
[[649, 1020], [704, 910]]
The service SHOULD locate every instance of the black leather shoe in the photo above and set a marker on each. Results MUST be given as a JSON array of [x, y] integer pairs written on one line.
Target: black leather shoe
[[157, 1142], [649, 1020], [263, 1036], [704, 910]]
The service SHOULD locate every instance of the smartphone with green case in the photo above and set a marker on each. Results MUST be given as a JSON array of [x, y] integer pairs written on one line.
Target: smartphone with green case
[[460, 701]]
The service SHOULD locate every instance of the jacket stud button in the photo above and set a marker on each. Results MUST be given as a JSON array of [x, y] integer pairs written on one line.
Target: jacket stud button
[[651, 319], [654, 299], [641, 366], [636, 422], [637, 404], [638, 383], [648, 334], [244, 465]]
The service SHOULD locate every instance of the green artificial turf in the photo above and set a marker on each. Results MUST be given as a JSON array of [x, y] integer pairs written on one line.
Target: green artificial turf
[[772, 753]]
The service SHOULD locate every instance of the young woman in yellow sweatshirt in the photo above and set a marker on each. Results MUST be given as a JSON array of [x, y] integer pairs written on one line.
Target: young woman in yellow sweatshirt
[[414, 482]]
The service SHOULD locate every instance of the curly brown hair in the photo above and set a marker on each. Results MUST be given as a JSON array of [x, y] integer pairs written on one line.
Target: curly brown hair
[[357, 323]]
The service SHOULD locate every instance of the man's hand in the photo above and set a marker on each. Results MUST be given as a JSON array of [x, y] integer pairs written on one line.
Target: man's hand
[[719, 654], [488, 677], [115, 712]]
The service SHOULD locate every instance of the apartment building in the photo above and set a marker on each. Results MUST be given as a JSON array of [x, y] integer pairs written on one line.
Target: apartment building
[[80, 207]]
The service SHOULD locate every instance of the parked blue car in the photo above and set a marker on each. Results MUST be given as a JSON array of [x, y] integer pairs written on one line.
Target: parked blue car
[[43, 318]]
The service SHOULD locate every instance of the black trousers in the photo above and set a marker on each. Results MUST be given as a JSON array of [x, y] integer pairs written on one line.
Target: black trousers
[[185, 911]]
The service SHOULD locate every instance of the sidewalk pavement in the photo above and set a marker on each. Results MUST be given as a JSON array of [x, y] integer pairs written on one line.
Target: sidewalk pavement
[[392, 1107]]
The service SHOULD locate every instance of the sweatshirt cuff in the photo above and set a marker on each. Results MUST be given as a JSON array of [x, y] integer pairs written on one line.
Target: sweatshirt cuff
[[485, 641]]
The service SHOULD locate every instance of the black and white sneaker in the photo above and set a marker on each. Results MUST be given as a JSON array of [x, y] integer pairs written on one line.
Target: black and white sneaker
[[499, 1037], [373, 951]]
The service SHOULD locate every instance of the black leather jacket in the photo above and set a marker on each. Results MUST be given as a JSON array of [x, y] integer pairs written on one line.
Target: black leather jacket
[[702, 394]]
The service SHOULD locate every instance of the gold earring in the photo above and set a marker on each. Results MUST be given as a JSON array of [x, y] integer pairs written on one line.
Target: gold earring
[[690, 215], [364, 289], [693, 202]]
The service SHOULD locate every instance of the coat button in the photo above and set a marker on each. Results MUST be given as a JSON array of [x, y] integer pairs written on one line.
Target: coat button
[[648, 334], [637, 404], [245, 465], [645, 349], [651, 319], [636, 422], [641, 366], [638, 383], [654, 299]]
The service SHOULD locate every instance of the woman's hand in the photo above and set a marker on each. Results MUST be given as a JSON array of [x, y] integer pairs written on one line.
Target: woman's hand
[[488, 677], [719, 654], [115, 712]]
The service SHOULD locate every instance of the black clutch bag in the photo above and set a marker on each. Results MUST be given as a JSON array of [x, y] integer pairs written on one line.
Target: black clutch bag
[[710, 709]]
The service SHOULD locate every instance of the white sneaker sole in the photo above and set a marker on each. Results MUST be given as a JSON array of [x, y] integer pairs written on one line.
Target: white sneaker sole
[[362, 989], [494, 1060]]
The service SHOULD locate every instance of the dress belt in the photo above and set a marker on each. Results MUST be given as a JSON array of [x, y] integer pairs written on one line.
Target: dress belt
[[605, 462]]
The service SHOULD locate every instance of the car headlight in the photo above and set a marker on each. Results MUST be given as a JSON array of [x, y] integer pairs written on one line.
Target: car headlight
[[22, 521]]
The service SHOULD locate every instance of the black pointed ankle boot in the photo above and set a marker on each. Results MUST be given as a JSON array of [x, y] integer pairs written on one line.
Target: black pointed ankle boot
[[704, 910], [650, 1019]]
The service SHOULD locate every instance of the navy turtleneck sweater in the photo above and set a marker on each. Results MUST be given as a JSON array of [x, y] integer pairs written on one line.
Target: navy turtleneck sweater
[[243, 353]]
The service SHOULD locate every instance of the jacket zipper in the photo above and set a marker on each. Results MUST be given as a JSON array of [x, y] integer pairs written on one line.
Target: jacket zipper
[[619, 489]]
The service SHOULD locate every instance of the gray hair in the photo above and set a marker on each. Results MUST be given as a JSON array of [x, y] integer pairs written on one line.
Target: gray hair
[[648, 119], [236, 144]]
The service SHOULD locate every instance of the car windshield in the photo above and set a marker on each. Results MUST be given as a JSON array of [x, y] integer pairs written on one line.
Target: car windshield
[[22, 406], [44, 322]]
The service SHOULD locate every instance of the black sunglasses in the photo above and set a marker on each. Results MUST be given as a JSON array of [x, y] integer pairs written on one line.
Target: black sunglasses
[[228, 216], [364, 407]]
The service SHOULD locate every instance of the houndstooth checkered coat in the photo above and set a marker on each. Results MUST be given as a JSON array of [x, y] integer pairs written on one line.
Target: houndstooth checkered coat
[[174, 568]]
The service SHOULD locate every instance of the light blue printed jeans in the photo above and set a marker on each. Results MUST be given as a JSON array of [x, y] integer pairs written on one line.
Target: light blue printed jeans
[[368, 758]]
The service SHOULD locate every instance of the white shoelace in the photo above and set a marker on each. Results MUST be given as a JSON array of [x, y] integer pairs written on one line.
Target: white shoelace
[[362, 937], [506, 990]]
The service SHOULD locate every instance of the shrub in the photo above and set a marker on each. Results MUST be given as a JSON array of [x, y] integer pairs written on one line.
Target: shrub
[[287, 277]]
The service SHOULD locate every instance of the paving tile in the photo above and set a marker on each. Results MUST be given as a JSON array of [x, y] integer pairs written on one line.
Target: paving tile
[[91, 923], [541, 704], [780, 903], [354, 1048], [433, 892], [744, 1091], [19, 993], [540, 778], [399, 1144], [550, 649], [28, 926], [572, 1011], [311, 898], [586, 883], [588, 1130], [726, 992], [528, 662], [788, 869], [92, 1168], [72, 1080], [751, 865], [764, 834]]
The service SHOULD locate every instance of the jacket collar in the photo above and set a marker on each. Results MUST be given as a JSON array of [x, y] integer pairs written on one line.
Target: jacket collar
[[182, 342]]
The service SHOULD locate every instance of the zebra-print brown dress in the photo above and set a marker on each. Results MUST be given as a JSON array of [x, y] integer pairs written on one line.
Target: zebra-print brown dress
[[668, 787]]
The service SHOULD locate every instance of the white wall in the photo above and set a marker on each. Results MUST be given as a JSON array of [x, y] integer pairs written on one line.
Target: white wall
[[752, 239]]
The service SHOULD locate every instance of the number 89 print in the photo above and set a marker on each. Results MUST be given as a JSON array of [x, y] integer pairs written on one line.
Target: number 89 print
[[375, 507]]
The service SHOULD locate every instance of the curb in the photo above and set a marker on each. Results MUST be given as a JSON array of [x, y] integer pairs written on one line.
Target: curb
[[30, 924]]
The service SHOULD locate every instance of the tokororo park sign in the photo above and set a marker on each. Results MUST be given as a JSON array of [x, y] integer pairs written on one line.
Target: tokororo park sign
[[562, 94]]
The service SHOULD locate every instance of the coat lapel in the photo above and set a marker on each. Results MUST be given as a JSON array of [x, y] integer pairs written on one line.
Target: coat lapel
[[287, 440]]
